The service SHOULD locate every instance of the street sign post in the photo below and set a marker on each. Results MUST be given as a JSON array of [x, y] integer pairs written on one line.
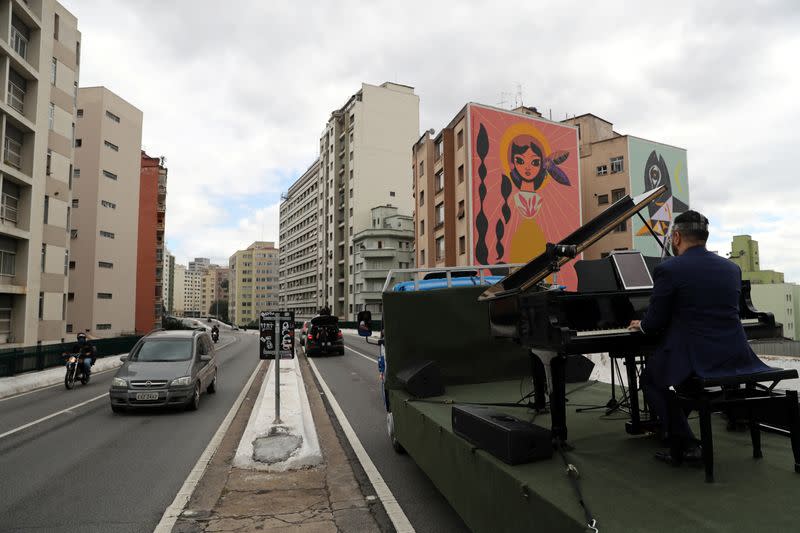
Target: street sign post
[[276, 341]]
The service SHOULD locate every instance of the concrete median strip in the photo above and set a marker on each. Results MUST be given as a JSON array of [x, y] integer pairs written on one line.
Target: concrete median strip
[[293, 443]]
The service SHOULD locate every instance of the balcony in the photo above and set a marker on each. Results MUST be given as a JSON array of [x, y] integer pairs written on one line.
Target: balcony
[[9, 208], [374, 274], [378, 252], [12, 153], [16, 97], [19, 42]]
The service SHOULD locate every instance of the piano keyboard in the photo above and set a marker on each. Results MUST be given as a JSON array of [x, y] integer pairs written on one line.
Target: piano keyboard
[[617, 331], [598, 332]]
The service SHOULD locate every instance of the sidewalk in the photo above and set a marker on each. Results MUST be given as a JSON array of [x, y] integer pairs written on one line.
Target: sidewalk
[[327, 498]]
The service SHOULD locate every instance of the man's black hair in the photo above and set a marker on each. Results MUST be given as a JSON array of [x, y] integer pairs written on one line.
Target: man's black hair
[[692, 225]]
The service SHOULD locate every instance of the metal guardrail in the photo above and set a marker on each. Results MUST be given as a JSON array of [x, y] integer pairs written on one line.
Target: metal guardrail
[[31, 358]]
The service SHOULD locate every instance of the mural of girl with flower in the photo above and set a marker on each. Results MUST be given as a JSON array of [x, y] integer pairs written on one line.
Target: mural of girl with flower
[[526, 184]]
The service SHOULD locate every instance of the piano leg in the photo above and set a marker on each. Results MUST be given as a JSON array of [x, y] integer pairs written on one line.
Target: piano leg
[[558, 400], [540, 382], [634, 426]]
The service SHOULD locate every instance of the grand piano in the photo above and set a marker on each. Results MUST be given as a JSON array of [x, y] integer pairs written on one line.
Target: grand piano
[[556, 324]]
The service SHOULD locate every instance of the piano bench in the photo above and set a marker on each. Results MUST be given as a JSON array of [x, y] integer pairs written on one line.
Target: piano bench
[[751, 402]]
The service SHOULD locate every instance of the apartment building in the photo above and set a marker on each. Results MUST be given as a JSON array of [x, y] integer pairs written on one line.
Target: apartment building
[[214, 288], [200, 263], [179, 290], [150, 243], [364, 163], [298, 256], [193, 293], [168, 282], [253, 282], [783, 301], [41, 57], [495, 185], [388, 244], [744, 252], [105, 199]]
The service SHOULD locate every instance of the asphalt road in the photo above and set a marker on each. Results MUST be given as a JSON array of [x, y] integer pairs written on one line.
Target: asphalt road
[[353, 379], [90, 470]]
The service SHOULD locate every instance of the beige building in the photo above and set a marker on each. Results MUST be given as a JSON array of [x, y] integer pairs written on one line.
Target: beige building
[[105, 201], [388, 244], [41, 57], [298, 289], [192, 292], [443, 201], [213, 287], [179, 290], [364, 163], [253, 282], [783, 301]]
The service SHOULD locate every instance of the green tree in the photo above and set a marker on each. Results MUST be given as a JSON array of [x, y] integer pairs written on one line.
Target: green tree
[[219, 309]]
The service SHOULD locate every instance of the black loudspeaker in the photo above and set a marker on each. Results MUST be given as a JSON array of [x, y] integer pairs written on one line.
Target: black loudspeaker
[[508, 438], [578, 369], [422, 379]]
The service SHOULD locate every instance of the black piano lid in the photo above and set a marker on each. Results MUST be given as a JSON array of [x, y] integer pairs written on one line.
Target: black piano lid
[[540, 266]]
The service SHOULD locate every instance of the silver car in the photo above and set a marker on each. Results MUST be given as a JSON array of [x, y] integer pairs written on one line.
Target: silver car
[[166, 368]]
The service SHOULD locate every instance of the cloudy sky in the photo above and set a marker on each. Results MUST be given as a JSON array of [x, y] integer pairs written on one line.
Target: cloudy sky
[[235, 94]]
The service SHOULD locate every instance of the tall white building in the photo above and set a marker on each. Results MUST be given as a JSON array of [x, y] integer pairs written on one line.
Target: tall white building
[[298, 290], [192, 292], [179, 290], [365, 162], [40, 57]]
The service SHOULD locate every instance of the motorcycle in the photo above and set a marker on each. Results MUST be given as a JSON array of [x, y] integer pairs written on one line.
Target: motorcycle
[[215, 336], [75, 371]]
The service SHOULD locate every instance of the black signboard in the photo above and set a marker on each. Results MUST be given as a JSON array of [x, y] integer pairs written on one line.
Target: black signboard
[[276, 334]]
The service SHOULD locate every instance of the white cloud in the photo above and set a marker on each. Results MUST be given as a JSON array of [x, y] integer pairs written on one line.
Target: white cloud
[[235, 95]]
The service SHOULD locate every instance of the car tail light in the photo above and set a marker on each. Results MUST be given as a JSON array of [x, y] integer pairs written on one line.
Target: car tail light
[[339, 335], [311, 337]]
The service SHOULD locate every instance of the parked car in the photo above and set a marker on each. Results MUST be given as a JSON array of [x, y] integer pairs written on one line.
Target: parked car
[[303, 333], [166, 368], [324, 336]]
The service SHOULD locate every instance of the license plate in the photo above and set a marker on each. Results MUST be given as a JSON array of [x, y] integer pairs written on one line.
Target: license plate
[[141, 396]]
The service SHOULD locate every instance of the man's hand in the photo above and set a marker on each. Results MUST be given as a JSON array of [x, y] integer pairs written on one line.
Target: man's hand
[[635, 325]]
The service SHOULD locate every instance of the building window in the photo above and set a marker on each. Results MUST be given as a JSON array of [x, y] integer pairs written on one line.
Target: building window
[[110, 205], [51, 115], [19, 37], [422, 257], [8, 257], [55, 26], [461, 209], [617, 194], [111, 145], [461, 173], [69, 328], [106, 234], [391, 193], [422, 168], [602, 199], [76, 173], [439, 181], [70, 296], [462, 245], [75, 203], [80, 113], [439, 214], [17, 86], [422, 227], [44, 256], [103, 326], [112, 116], [78, 143], [439, 146], [46, 209], [110, 175], [617, 164], [103, 295], [460, 138], [602, 170], [421, 197], [41, 305], [105, 264], [440, 249], [53, 71], [72, 265]]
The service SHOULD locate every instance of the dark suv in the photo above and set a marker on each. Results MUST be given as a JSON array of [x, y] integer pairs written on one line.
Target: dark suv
[[324, 336], [166, 368]]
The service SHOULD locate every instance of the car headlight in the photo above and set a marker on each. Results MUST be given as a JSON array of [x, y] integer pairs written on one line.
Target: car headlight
[[119, 382], [181, 382]]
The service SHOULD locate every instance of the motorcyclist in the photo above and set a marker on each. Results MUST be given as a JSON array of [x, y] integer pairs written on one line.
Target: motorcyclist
[[86, 352], [215, 332]]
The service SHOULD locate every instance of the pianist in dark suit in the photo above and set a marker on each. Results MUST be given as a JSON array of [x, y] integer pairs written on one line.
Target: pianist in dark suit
[[694, 307]]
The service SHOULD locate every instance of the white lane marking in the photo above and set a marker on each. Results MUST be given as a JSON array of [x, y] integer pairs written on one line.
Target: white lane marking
[[374, 360], [172, 512], [396, 515], [59, 384], [48, 417]]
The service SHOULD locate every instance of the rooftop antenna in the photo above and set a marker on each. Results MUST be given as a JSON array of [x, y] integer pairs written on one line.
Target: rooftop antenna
[[518, 96]]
